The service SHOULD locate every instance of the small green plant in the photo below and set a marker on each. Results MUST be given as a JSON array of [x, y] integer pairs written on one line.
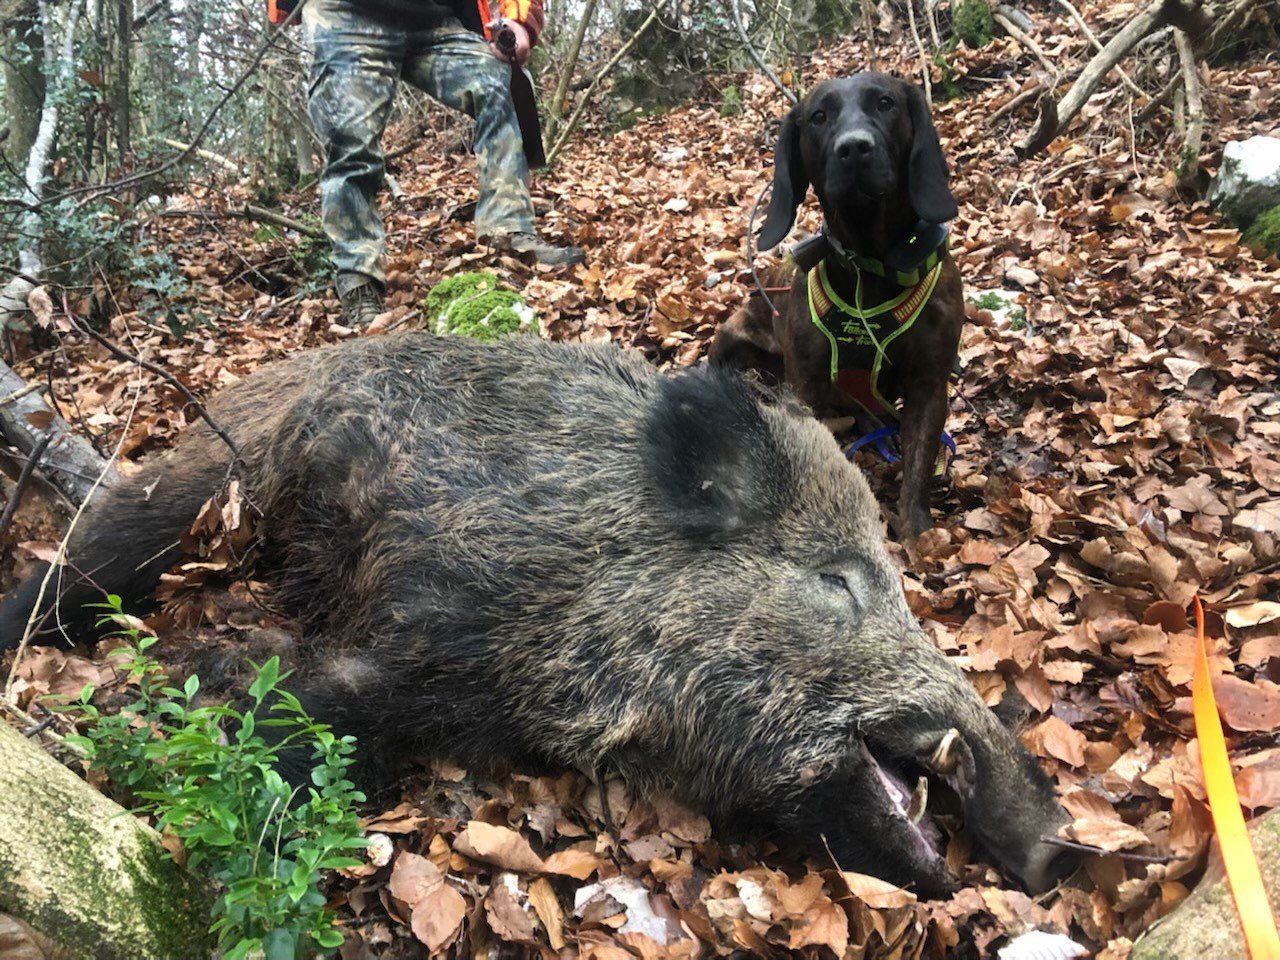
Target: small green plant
[[989, 301], [1263, 235], [946, 88], [475, 305], [973, 22], [209, 776], [731, 102]]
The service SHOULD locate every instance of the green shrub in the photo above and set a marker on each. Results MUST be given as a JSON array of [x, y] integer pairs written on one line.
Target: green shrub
[[731, 102], [972, 22], [1263, 235], [209, 777], [475, 305]]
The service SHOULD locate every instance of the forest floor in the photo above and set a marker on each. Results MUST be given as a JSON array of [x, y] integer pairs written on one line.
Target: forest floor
[[1118, 453]]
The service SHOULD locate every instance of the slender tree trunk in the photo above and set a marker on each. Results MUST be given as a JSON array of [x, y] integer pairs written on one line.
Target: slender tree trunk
[[556, 108], [59, 63], [85, 874], [23, 79], [124, 58]]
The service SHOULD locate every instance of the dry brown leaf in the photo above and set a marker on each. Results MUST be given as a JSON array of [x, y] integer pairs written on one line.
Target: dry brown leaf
[[1107, 834], [436, 909], [547, 906], [1053, 737], [500, 846]]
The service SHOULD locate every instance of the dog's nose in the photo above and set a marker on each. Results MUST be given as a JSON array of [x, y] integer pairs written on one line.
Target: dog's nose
[[854, 145]]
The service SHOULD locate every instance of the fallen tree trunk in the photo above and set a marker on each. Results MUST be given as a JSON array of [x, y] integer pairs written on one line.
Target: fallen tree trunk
[[1206, 924], [85, 874], [69, 462]]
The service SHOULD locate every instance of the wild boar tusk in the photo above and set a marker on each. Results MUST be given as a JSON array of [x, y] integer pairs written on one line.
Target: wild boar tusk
[[946, 755], [919, 800]]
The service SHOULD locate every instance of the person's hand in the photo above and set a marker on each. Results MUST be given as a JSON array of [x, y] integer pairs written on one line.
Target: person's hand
[[520, 53]]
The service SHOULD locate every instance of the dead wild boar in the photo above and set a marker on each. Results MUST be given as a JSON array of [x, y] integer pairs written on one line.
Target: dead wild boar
[[553, 553]]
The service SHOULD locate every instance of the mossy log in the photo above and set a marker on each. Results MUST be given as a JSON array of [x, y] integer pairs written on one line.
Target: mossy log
[[84, 873], [1206, 924]]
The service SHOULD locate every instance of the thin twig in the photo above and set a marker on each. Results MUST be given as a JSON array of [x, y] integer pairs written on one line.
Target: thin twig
[[24, 478], [1189, 159], [736, 10], [1122, 854], [29, 389], [924, 58], [158, 370], [1024, 39]]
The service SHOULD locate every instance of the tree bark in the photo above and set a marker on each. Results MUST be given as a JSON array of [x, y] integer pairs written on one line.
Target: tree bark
[[1206, 924], [23, 79], [124, 58], [84, 873]]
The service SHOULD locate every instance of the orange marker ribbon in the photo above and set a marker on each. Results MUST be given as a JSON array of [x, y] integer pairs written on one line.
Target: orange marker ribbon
[[1237, 854]]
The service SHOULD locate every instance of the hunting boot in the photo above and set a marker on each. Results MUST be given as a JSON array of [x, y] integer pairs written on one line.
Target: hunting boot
[[529, 246], [361, 297]]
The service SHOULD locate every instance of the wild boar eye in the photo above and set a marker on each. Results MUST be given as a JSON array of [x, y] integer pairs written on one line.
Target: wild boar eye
[[835, 582], [886, 104], [818, 118]]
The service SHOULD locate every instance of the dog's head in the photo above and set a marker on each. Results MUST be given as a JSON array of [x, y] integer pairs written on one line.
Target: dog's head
[[863, 141]]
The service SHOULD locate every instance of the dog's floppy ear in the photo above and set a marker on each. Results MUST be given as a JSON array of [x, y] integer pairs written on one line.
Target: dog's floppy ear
[[927, 167], [790, 183]]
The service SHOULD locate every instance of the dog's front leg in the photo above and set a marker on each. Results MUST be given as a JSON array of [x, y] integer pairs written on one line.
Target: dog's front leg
[[924, 413]]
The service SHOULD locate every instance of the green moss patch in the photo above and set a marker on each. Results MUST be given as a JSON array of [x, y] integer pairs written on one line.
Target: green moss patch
[[476, 305], [1263, 235]]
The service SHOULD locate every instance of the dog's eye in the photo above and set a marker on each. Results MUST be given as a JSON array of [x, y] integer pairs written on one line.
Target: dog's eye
[[886, 104], [818, 118]]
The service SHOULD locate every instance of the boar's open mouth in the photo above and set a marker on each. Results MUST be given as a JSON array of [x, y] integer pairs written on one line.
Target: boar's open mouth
[[906, 787]]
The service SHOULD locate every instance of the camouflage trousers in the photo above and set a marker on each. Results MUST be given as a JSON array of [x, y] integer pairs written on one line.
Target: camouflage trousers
[[356, 61]]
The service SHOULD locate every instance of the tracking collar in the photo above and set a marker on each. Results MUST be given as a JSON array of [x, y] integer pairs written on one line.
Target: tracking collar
[[906, 264]]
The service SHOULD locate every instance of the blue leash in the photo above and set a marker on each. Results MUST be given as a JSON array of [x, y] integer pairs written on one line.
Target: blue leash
[[880, 438]]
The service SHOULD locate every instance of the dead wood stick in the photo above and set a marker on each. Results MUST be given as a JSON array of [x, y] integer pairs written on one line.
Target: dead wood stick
[[1054, 121], [252, 211], [1097, 44], [1024, 39], [248, 212], [752, 52], [1188, 165], [23, 479], [924, 57], [1029, 94], [1222, 27], [607, 69], [26, 391], [201, 152], [70, 463]]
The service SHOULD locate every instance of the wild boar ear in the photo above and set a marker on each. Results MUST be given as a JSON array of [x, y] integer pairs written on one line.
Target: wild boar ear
[[790, 183], [716, 467], [927, 167]]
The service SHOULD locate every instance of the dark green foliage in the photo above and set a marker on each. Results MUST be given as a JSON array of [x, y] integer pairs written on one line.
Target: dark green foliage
[[972, 22], [208, 775]]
